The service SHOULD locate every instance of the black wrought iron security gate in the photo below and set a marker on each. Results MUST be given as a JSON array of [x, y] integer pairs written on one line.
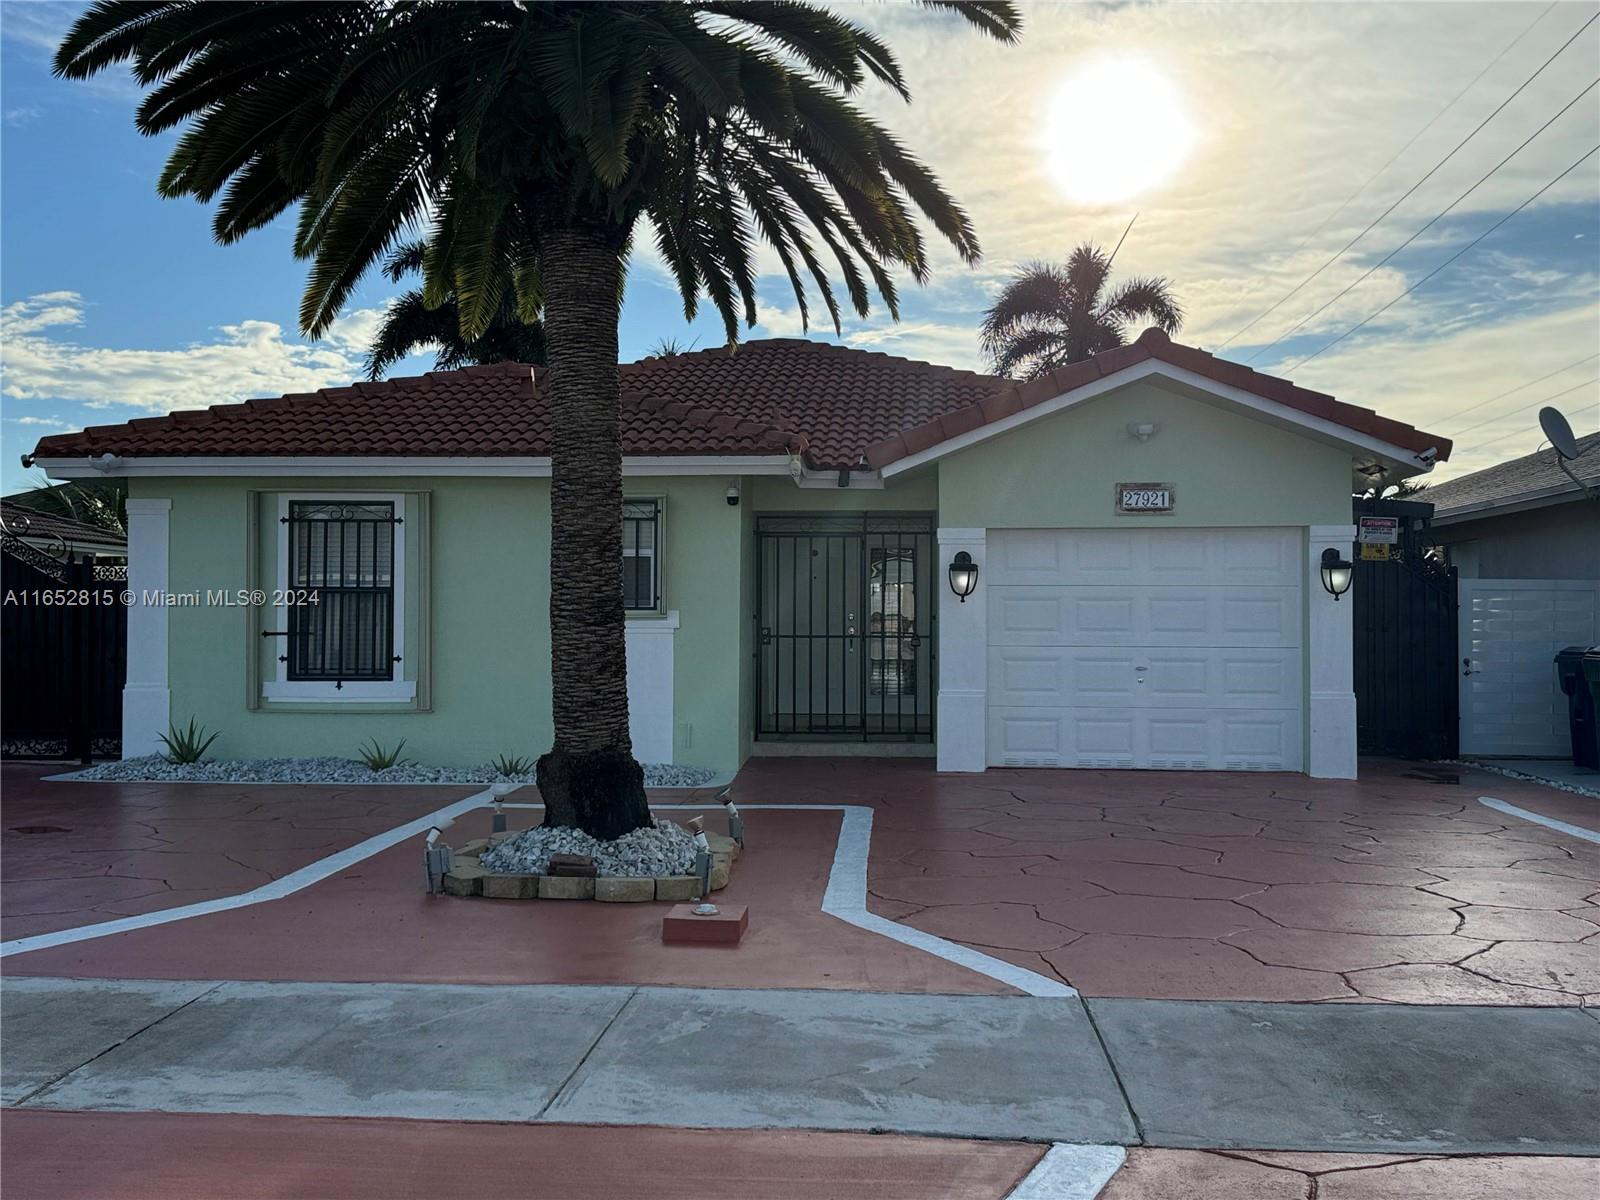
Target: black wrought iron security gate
[[845, 627]]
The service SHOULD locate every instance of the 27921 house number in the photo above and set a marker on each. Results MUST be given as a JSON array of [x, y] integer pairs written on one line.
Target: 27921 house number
[[1145, 498]]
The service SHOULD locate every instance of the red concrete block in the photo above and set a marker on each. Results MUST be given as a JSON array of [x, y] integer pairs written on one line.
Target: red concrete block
[[723, 928]]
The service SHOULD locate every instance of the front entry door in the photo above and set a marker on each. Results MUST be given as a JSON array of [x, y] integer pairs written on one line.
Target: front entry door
[[844, 627]]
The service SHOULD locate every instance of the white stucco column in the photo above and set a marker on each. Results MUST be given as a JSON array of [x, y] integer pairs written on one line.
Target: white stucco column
[[1330, 678], [650, 685], [146, 699], [963, 657]]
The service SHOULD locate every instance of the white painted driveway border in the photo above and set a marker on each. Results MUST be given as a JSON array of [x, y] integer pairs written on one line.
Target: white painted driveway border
[[1511, 810], [845, 897], [1068, 1172], [286, 885]]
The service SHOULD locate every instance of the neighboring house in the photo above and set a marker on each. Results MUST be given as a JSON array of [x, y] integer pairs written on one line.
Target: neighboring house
[[60, 538], [1148, 527], [1525, 540]]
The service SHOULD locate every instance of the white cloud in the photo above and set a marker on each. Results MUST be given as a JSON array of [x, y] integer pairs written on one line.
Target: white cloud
[[353, 332], [249, 358], [39, 422], [41, 311], [773, 320]]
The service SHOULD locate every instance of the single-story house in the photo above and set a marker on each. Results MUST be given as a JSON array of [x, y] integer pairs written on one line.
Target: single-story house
[[1148, 526], [1524, 538]]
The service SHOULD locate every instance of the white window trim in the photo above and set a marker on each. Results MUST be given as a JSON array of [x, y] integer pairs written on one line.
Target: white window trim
[[281, 688]]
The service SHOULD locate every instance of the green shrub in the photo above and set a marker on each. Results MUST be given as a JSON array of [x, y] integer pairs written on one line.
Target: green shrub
[[512, 764], [377, 758], [187, 745]]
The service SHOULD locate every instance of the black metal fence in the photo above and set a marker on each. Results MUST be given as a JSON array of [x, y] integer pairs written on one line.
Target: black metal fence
[[1407, 698], [63, 654]]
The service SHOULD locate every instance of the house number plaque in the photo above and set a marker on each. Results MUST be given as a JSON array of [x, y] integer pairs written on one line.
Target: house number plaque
[[1145, 497]]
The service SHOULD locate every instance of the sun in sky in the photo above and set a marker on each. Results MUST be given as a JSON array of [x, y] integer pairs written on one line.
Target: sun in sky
[[1115, 127]]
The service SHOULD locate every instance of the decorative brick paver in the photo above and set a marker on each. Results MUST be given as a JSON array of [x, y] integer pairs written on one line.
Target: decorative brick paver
[[1397, 887]]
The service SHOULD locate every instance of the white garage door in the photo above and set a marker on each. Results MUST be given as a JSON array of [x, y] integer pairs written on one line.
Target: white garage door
[[1174, 649], [1511, 629]]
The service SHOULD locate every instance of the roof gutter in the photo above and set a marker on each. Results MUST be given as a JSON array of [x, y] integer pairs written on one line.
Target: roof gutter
[[377, 466], [1544, 497]]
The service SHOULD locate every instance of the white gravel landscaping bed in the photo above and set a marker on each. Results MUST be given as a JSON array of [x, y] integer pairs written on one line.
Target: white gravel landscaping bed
[[667, 849], [153, 768]]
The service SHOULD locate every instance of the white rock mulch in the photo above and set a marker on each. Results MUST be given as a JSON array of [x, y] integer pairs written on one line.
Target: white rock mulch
[[153, 768], [667, 849], [1560, 785]]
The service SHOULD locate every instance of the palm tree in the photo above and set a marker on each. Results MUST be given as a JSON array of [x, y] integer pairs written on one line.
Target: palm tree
[[1049, 316], [533, 141], [409, 326]]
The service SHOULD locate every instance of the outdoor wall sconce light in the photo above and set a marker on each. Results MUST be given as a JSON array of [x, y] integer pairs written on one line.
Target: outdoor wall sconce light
[[1336, 571], [963, 575]]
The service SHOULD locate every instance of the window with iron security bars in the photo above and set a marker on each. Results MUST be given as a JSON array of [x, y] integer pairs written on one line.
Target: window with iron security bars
[[641, 573], [341, 555]]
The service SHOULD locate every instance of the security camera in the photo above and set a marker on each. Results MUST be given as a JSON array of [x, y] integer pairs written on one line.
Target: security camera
[[1429, 456], [733, 494]]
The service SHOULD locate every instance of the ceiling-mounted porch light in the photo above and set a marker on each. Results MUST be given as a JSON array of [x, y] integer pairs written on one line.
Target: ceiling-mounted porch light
[[963, 575], [1336, 572]]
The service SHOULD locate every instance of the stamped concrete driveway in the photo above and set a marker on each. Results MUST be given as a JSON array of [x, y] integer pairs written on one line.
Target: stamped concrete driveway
[[76, 854], [1398, 887]]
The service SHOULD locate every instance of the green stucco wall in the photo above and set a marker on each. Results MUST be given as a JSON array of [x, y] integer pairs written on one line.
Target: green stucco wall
[[490, 646], [1227, 469]]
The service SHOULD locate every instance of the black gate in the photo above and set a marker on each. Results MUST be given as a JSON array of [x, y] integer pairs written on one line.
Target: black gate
[[64, 658], [845, 627], [1407, 703]]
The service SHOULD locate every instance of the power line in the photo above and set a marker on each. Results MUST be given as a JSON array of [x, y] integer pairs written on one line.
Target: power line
[[1371, 179], [1439, 216], [1587, 155], [1526, 407], [1505, 436], [1409, 191], [1529, 384]]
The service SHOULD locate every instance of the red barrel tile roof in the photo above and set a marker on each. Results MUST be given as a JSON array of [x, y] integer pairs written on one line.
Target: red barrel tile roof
[[832, 404]]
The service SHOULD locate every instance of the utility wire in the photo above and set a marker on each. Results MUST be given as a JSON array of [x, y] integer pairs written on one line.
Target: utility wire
[[1526, 407], [1529, 384], [1410, 190], [1587, 155], [1371, 179], [1504, 436], [1443, 213]]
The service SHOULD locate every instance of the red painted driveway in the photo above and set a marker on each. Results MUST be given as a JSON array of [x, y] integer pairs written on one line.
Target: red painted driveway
[[80, 853], [162, 1156], [375, 923], [1397, 887], [1267, 1175]]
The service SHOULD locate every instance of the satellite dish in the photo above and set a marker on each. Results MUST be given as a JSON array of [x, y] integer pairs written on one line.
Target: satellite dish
[[1558, 432]]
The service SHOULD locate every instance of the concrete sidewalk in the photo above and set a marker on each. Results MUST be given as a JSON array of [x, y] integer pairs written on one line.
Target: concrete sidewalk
[[1369, 1078]]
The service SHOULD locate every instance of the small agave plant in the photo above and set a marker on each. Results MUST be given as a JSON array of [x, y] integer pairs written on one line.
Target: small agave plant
[[511, 765], [187, 745], [380, 758]]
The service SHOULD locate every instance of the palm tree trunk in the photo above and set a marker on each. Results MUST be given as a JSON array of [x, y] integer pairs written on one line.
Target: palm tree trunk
[[589, 778]]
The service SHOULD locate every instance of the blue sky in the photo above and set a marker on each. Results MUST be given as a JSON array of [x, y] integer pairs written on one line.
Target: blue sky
[[118, 304]]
